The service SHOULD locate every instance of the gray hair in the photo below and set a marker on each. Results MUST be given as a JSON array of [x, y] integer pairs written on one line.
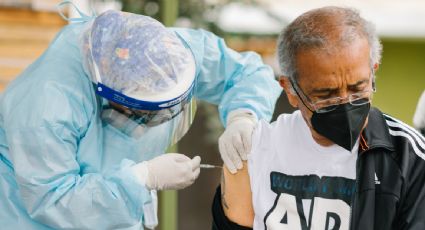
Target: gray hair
[[317, 29]]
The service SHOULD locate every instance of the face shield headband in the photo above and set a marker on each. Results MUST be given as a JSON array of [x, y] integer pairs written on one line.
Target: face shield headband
[[132, 103]]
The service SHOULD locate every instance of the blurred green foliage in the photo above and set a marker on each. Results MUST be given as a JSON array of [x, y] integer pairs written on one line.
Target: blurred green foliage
[[145, 7], [200, 13], [401, 78]]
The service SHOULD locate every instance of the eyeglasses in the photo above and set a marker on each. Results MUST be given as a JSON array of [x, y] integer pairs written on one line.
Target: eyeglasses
[[330, 104], [148, 117]]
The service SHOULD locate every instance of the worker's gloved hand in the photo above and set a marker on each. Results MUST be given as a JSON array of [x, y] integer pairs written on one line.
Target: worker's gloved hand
[[168, 171], [235, 142], [419, 117]]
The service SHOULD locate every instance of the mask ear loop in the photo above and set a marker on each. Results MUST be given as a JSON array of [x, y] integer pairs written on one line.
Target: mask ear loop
[[373, 81], [83, 17], [372, 72]]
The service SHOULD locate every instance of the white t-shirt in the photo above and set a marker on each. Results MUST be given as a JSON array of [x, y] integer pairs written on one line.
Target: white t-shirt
[[297, 183]]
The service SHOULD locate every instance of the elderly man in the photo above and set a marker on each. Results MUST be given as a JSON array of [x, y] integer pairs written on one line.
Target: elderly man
[[336, 163]]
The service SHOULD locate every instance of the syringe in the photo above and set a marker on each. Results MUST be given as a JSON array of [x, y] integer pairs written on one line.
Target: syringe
[[208, 166]]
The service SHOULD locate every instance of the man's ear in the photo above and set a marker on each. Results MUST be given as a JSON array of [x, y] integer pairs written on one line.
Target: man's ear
[[375, 67], [290, 93]]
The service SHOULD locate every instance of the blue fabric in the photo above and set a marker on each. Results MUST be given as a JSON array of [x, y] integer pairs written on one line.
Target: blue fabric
[[62, 168], [230, 79], [136, 53]]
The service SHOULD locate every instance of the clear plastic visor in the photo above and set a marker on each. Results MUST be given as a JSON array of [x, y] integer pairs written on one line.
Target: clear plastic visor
[[135, 123]]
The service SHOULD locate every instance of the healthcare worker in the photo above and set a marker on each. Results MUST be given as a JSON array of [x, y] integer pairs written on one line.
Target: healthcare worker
[[84, 128]]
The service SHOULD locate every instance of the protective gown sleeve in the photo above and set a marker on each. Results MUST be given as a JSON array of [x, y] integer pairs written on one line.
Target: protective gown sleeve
[[44, 127], [230, 79], [56, 194]]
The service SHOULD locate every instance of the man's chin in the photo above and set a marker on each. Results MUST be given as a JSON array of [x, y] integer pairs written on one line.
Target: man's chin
[[319, 139]]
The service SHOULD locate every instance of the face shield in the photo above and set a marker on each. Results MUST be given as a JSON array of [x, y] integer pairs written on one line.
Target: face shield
[[144, 71], [135, 124]]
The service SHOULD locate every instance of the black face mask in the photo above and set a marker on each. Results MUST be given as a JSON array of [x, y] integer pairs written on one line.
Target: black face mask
[[342, 125]]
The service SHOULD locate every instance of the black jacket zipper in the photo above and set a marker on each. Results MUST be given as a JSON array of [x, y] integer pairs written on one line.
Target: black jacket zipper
[[363, 150]]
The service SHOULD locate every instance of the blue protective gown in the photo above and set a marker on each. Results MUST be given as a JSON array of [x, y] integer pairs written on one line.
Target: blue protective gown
[[62, 168]]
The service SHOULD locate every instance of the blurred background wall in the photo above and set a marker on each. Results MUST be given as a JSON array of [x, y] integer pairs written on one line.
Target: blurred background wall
[[27, 26]]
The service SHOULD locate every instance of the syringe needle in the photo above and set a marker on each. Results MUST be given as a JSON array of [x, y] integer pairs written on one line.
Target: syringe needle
[[208, 166]]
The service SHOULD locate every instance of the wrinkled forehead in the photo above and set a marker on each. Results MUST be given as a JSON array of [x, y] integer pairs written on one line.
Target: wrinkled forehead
[[320, 66]]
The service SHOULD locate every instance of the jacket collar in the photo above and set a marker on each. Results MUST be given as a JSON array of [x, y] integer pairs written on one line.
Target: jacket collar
[[376, 134]]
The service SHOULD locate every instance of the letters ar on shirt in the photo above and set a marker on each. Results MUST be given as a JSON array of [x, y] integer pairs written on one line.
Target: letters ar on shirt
[[309, 202]]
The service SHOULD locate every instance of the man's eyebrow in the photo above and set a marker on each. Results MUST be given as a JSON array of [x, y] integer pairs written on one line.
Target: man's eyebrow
[[324, 90], [358, 83], [332, 90]]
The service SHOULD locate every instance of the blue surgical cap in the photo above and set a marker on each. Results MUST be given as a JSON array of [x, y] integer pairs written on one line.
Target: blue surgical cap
[[135, 54]]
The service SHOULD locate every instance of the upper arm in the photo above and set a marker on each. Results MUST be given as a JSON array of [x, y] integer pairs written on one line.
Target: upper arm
[[237, 197]]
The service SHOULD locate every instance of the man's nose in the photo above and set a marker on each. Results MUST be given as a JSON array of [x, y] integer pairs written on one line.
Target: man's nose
[[345, 96]]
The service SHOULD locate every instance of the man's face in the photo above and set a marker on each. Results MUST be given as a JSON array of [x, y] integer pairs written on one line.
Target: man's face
[[323, 75]]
